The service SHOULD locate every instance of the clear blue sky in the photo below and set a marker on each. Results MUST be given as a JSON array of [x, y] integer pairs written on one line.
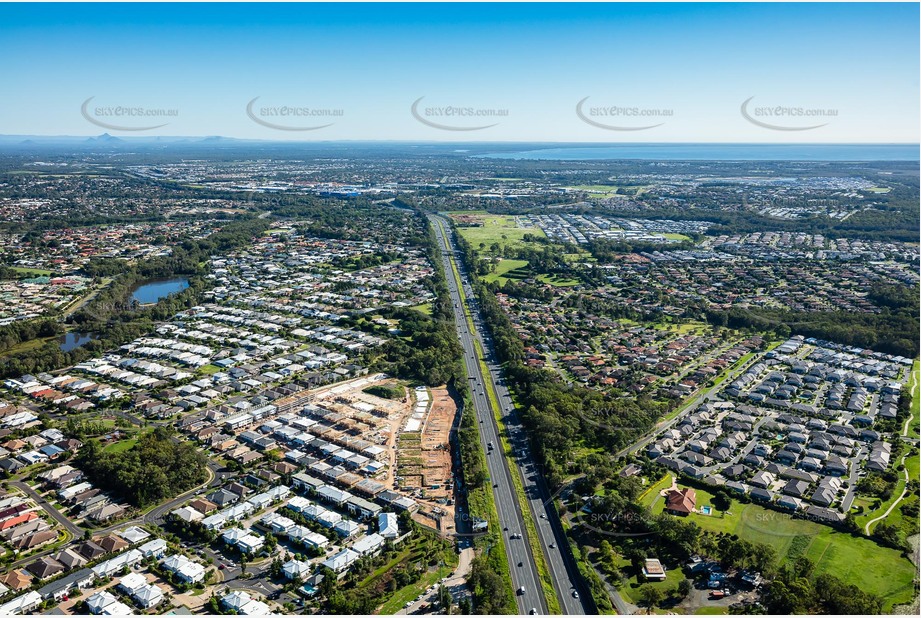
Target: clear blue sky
[[537, 61]]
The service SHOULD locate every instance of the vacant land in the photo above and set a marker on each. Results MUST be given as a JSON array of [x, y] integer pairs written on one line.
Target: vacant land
[[508, 269], [558, 281], [499, 229], [425, 308]]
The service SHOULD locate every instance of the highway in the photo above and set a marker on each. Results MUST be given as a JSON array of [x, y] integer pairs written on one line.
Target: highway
[[572, 593]]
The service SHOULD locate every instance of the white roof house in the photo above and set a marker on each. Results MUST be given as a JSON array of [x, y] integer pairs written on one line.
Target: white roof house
[[184, 568], [155, 548], [214, 522], [368, 545], [148, 596], [188, 514], [236, 600], [342, 560], [134, 534], [250, 543], [387, 525], [113, 565], [296, 569], [22, 604], [105, 604], [131, 582], [347, 528]]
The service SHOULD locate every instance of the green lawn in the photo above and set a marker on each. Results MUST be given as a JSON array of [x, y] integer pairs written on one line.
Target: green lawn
[[649, 497], [425, 308], [209, 369], [410, 592], [504, 267], [600, 189], [31, 272], [25, 346], [914, 427], [557, 281], [632, 588], [854, 559], [120, 447], [498, 229], [678, 237]]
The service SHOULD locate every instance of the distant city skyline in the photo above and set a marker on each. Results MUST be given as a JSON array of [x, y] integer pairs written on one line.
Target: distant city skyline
[[608, 73]]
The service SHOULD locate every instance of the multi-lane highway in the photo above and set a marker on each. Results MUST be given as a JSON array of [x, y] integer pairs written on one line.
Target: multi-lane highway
[[572, 595]]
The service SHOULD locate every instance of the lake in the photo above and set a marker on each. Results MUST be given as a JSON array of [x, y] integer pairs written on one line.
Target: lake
[[719, 152], [153, 291], [71, 341]]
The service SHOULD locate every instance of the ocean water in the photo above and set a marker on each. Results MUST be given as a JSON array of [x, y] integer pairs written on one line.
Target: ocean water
[[720, 152]]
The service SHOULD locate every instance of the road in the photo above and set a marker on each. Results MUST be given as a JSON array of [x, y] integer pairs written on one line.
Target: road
[[75, 531], [551, 538], [703, 396], [456, 584]]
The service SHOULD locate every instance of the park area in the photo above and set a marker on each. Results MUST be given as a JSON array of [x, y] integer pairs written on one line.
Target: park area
[[854, 559]]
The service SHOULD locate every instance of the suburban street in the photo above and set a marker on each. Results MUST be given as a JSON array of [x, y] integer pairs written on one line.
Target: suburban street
[[551, 537]]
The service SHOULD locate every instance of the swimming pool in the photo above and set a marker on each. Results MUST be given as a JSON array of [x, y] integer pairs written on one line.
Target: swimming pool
[[705, 510]]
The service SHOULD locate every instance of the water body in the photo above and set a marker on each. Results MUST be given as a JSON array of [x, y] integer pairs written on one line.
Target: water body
[[153, 291], [71, 341], [720, 152]]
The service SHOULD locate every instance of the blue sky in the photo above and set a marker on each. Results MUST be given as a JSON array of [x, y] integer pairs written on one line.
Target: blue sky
[[686, 67]]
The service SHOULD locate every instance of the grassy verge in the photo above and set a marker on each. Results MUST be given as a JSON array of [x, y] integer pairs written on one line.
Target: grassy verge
[[648, 498], [410, 592], [914, 426]]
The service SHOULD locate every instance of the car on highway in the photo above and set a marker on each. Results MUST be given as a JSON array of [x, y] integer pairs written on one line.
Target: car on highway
[[533, 611], [575, 594], [521, 590], [552, 545]]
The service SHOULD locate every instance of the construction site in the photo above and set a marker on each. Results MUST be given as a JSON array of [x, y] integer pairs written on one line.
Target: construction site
[[414, 433]]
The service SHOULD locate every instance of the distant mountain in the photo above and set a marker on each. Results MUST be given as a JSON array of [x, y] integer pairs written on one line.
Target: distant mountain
[[105, 138]]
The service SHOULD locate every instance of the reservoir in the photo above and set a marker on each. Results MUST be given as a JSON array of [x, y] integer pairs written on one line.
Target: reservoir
[[153, 291], [70, 341]]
